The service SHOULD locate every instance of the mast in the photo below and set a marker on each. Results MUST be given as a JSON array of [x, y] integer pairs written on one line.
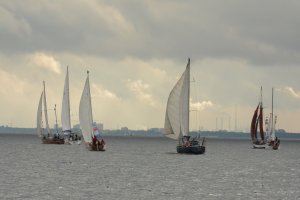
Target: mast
[[188, 106], [45, 111], [261, 121], [272, 116], [55, 120]]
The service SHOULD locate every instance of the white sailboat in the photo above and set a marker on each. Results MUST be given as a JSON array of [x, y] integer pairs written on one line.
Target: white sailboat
[[47, 137], [177, 116], [70, 138], [86, 120]]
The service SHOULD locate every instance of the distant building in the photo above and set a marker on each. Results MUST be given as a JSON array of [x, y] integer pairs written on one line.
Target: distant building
[[124, 129], [100, 126]]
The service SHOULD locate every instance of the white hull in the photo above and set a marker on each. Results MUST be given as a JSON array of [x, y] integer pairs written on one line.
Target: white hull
[[262, 146]]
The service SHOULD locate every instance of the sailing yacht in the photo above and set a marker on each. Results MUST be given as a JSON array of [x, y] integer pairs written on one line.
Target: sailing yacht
[[177, 116], [48, 137], [267, 138], [91, 138], [257, 122]]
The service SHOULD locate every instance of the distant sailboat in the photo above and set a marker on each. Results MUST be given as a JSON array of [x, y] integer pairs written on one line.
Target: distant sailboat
[[274, 142], [47, 138], [177, 116], [86, 120], [257, 122], [70, 137], [266, 138]]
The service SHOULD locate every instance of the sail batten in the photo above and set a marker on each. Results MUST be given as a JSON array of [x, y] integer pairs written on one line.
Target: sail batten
[[177, 112]]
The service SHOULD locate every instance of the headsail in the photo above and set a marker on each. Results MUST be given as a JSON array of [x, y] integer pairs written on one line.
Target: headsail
[[65, 110], [274, 119], [39, 118], [177, 112], [85, 112], [45, 111]]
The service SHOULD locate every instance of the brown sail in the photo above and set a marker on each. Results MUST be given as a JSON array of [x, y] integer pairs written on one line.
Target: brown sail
[[260, 121], [254, 126]]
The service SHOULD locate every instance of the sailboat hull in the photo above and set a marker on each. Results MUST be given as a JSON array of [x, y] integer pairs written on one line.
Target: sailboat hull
[[197, 149], [93, 147], [53, 141], [260, 146], [272, 145]]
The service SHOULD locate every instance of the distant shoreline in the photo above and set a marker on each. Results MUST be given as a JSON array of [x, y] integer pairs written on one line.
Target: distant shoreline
[[150, 133]]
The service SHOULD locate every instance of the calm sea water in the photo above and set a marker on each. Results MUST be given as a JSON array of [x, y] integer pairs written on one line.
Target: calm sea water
[[147, 168]]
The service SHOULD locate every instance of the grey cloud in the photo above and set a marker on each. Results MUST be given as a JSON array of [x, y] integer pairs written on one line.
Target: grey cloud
[[258, 32]]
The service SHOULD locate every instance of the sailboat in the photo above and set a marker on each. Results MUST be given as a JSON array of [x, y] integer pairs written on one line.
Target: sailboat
[[93, 141], [177, 117], [257, 122], [267, 138], [273, 141], [70, 137], [48, 137]]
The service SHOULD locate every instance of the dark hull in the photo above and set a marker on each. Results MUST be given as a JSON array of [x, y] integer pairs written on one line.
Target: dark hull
[[53, 141], [262, 146], [191, 149], [272, 145], [93, 147]]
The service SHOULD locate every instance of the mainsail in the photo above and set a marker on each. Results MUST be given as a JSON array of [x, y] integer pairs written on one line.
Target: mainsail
[[45, 111], [257, 122], [85, 112], [177, 112], [254, 125], [39, 117], [261, 122], [65, 110]]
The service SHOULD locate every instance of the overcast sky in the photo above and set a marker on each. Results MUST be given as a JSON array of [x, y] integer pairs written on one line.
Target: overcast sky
[[136, 51]]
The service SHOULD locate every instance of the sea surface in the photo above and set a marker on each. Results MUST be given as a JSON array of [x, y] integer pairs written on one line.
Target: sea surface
[[147, 168]]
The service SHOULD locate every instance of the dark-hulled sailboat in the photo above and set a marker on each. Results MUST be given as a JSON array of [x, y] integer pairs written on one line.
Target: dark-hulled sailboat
[[177, 117], [48, 137], [267, 139]]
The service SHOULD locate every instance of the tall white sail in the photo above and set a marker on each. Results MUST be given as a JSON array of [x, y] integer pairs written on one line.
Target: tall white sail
[[65, 110], [85, 112], [274, 119], [39, 117], [177, 113], [45, 111], [268, 127]]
